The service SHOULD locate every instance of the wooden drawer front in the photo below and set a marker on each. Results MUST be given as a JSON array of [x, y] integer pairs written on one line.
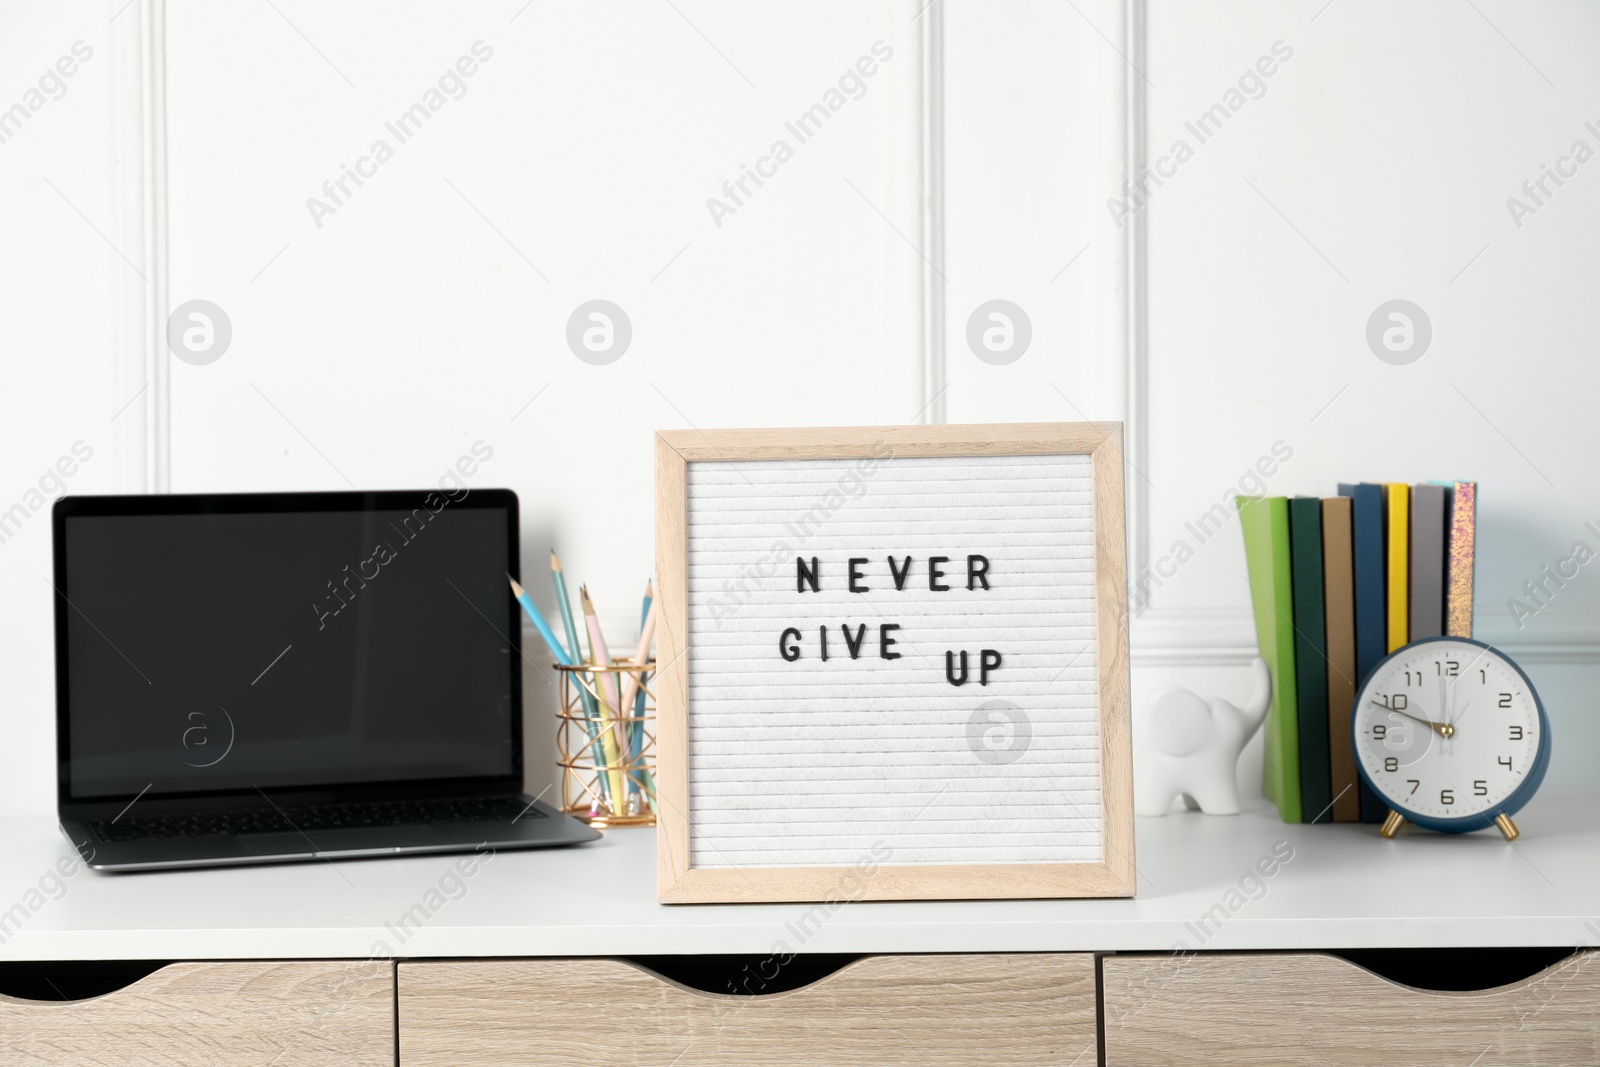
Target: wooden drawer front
[[926, 1011], [216, 1015], [1323, 1011]]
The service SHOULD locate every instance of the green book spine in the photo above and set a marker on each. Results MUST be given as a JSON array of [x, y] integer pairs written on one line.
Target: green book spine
[[1265, 523], [1310, 659]]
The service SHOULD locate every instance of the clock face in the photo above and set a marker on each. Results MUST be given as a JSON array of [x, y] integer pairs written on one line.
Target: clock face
[[1447, 729]]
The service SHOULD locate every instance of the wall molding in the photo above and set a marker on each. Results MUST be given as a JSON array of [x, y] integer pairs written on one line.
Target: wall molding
[[1166, 637], [1136, 437], [1225, 636], [142, 431], [932, 183]]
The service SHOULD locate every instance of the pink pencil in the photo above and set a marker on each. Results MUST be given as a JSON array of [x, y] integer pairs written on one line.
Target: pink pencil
[[612, 708]]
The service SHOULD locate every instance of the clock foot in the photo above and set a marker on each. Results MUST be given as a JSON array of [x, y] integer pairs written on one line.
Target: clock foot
[[1392, 824], [1507, 827]]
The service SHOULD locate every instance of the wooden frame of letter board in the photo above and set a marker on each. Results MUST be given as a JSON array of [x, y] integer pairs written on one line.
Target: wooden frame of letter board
[[679, 882]]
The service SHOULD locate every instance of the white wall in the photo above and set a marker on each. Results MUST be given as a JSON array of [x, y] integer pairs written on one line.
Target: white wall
[[373, 343], [430, 308], [61, 281], [1376, 165]]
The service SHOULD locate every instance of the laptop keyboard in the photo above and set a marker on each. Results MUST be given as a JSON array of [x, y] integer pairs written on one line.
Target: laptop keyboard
[[310, 818]]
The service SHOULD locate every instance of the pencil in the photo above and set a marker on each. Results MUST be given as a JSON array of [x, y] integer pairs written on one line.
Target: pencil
[[638, 706], [591, 710], [564, 603], [539, 623], [633, 693], [611, 707]]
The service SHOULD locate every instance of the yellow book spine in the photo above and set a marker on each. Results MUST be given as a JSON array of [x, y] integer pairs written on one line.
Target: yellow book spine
[[1399, 577]]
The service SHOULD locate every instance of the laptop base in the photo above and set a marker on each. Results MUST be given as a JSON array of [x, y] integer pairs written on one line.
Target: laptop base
[[543, 827]]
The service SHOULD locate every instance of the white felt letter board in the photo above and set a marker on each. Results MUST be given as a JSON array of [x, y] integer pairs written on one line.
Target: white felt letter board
[[893, 664]]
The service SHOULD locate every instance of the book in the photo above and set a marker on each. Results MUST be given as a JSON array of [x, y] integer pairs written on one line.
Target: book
[[1339, 615], [1429, 516], [1366, 552], [1462, 549], [1310, 658], [1265, 525], [1397, 545]]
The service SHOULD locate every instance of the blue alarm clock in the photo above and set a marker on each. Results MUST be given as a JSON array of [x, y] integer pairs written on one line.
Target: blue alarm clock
[[1450, 734]]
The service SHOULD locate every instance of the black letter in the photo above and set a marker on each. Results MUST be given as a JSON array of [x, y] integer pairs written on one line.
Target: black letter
[[856, 576], [934, 573], [854, 646], [988, 660], [788, 651], [899, 575], [804, 574], [823, 632], [950, 667], [976, 573], [885, 642]]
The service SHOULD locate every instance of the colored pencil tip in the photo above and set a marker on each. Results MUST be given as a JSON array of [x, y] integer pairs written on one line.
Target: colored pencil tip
[[515, 588], [649, 588], [555, 564]]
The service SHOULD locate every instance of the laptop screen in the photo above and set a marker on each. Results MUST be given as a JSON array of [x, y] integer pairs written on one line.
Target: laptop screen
[[285, 641]]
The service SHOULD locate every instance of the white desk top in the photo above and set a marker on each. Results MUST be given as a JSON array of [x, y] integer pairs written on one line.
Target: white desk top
[[1344, 888]]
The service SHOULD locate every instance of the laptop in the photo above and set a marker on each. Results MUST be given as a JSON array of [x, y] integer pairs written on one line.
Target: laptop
[[279, 677]]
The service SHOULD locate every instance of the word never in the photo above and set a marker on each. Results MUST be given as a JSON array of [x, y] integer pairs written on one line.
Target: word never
[[977, 576], [977, 571]]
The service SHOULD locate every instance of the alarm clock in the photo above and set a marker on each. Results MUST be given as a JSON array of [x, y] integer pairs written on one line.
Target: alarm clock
[[1450, 734]]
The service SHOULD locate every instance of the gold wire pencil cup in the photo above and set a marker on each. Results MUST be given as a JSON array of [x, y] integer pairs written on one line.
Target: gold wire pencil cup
[[607, 758]]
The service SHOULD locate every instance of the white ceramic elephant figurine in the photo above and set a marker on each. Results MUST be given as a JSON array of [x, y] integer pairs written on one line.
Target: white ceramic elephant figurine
[[1194, 749]]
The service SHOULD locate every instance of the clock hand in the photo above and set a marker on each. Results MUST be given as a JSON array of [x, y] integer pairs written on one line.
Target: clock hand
[[1447, 694], [1443, 729], [1455, 686]]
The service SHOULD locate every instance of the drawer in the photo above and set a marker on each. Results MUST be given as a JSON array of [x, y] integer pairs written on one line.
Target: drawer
[[1327, 1012], [926, 1011], [216, 1015]]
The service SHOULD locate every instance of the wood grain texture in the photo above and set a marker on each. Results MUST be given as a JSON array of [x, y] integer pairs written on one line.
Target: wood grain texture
[[1116, 723], [854, 442], [322, 1013], [917, 1011], [1325, 1012], [672, 666], [678, 881]]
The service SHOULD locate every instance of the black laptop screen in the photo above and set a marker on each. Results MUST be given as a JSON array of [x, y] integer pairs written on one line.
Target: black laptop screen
[[290, 648]]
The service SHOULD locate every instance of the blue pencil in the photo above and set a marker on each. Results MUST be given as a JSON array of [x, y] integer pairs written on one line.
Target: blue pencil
[[591, 709], [539, 623], [550, 639], [638, 702], [562, 657]]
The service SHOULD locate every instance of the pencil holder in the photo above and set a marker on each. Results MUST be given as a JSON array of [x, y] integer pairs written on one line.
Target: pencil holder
[[607, 756]]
